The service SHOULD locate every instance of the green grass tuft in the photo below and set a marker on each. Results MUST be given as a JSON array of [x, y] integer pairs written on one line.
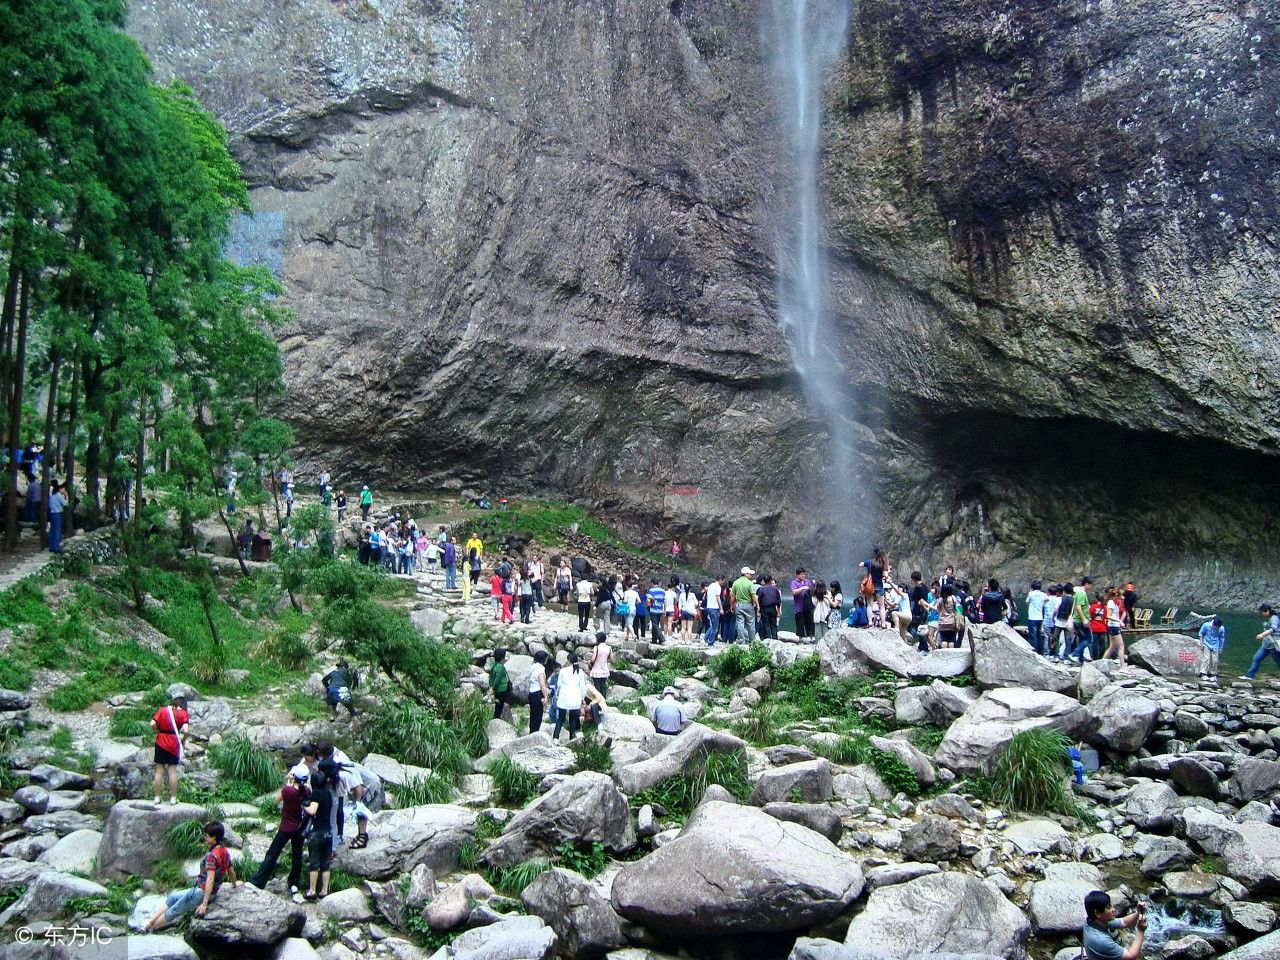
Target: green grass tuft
[[1031, 774], [738, 661], [513, 880], [239, 759], [513, 784], [592, 754], [185, 840], [418, 791]]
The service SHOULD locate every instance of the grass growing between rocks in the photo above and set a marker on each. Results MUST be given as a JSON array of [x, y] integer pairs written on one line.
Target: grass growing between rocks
[[472, 849], [237, 758], [185, 840], [738, 661], [592, 754], [513, 880], [417, 791], [413, 734], [678, 795], [1031, 775], [513, 784], [549, 523]]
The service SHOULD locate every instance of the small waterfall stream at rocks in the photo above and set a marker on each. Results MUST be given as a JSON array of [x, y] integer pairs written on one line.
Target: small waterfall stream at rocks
[[807, 38]]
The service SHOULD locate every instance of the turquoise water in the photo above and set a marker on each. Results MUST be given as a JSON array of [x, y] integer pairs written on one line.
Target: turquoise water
[[1242, 626]]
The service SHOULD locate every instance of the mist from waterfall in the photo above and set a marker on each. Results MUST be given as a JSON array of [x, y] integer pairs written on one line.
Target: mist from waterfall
[[807, 39]]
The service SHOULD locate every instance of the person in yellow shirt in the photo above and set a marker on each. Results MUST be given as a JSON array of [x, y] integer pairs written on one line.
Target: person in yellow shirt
[[474, 543]]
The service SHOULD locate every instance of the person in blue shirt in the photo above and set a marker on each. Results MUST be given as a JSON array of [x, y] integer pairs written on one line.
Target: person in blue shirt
[[1096, 937], [1213, 637], [656, 597], [1270, 638]]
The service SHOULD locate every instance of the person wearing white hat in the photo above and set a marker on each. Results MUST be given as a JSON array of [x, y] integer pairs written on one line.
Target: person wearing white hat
[[746, 605], [291, 798], [666, 714]]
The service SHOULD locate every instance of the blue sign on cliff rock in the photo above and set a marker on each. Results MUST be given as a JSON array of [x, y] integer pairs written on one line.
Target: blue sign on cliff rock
[[257, 240]]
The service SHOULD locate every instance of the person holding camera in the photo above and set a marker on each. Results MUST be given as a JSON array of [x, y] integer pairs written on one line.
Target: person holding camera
[[1099, 944]]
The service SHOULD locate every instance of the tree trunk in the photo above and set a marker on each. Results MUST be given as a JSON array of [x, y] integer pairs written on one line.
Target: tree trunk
[[140, 453], [69, 471], [15, 411]]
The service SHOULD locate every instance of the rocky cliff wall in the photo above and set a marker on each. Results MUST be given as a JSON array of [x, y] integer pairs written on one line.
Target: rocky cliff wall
[[532, 246]]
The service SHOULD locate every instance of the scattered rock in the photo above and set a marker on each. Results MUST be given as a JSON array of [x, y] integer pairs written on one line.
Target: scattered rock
[[75, 853], [584, 922], [391, 771], [1254, 919], [55, 778], [399, 840], [347, 906], [451, 907], [808, 781], [973, 742], [1190, 883], [1150, 806], [850, 652], [693, 741], [908, 754], [818, 818], [894, 873], [1167, 654], [932, 838], [46, 894], [520, 938], [1254, 779], [1252, 857], [133, 838], [1002, 658], [586, 808], [1124, 718], [1038, 836], [247, 920]]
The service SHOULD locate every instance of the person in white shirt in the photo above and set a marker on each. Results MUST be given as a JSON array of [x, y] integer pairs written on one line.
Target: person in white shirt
[[688, 611], [572, 689], [631, 602], [1036, 601], [432, 552], [538, 690], [714, 608], [670, 603], [586, 594], [535, 571]]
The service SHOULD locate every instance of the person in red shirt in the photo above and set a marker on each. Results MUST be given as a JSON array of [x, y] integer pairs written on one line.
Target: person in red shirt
[[214, 869], [170, 725], [291, 797], [1097, 625]]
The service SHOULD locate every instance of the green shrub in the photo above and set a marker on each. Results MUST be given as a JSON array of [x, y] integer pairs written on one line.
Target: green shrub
[[469, 717], [736, 662], [850, 750], [130, 722], [236, 791], [1031, 774], [413, 734], [71, 697], [417, 791], [586, 859], [185, 840], [678, 660], [11, 895], [23, 604], [679, 794], [895, 772], [60, 739], [655, 681], [760, 725], [513, 880], [804, 674], [512, 783], [15, 675], [926, 739], [169, 873], [239, 759], [592, 754], [285, 648]]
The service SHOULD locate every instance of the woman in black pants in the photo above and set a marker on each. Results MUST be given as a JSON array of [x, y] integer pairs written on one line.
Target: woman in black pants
[[539, 694], [291, 797]]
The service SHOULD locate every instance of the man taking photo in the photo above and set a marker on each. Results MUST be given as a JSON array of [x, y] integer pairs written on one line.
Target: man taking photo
[[1098, 942]]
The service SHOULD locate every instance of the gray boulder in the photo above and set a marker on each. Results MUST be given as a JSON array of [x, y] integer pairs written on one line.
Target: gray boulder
[[1150, 806], [46, 894], [55, 778], [735, 870], [1192, 777], [908, 754], [586, 808], [1254, 779], [399, 840], [810, 948], [818, 818], [35, 799], [1002, 658], [75, 853], [808, 781], [246, 920], [1208, 829], [1252, 857], [939, 703], [1124, 718], [584, 922], [211, 716], [853, 652], [1264, 948], [692, 742], [947, 912], [932, 838], [1253, 919], [61, 822], [1167, 654], [13, 700], [520, 938], [535, 752], [391, 771], [890, 874], [133, 838], [1057, 902], [1038, 836], [973, 742]]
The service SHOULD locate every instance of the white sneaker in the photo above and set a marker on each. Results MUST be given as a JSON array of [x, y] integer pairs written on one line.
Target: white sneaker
[[294, 891], [173, 801], [158, 801]]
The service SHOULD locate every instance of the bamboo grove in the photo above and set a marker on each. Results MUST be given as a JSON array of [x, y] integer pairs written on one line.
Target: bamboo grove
[[130, 346]]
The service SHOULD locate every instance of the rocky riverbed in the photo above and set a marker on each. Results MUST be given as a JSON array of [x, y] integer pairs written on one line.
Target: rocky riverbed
[[810, 852]]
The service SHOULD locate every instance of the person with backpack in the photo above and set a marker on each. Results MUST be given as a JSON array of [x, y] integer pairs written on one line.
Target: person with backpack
[[564, 583], [495, 594], [858, 615], [215, 869], [338, 684], [320, 809], [507, 597], [571, 689], [745, 605], [628, 609], [991, 604], [290, 798], [170, 724], [950, 618], [366, 502], [1080, 613], [450, 557], [499, 682], [712, 605], [535, 570]]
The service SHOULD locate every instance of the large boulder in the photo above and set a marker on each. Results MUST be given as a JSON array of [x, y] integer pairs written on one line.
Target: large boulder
[[1252, 857], [246, 921], [692, 742], [536, 752], [519, 666], [1168, 654], [1038, 836], [585, 808], [1002, 658], [584, 922], [808, 781], [46, 894], [56, 778], [973, 742], [1254, 779], [812, 948], [1057, 901], [939, 703], [1151, 806], [931, 838], [817, 817], [1264, 948], [920, 764], [391, 771], [133, 838], [854, 652], [735, 870], [77, 852], [399, 840], [1208, 829], [520, 938], [942, 912], [1124, 718]]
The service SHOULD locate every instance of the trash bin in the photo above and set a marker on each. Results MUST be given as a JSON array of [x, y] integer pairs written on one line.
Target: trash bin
[[261, 550]]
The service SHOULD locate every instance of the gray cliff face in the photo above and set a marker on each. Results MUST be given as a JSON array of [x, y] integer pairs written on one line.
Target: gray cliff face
[[531, 246]]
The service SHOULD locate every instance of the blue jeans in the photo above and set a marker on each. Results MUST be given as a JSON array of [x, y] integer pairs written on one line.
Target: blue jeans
[[55, 532], [713, 627], [1083, 643], [451, 576], [1262, 654], [1035, 635], [181, 902]]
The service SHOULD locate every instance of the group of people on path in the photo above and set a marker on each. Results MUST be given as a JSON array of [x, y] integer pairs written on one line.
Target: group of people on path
[[570, 692]]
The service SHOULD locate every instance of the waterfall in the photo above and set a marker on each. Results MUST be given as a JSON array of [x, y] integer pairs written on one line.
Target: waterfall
[[808, 37]]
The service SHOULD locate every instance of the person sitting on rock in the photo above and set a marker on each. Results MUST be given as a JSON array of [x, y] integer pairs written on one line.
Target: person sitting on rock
[[666, 714], [216, 867], [1096, 937]]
